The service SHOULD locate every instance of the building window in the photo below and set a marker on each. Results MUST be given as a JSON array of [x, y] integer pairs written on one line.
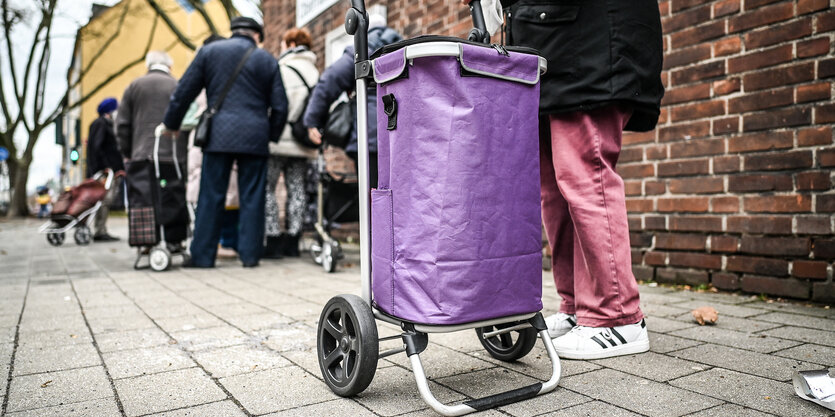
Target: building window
[[306, 10]]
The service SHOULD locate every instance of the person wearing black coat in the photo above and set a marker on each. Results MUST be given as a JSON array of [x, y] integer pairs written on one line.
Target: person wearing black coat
[[252, 115], [604, 65], [103, 153]]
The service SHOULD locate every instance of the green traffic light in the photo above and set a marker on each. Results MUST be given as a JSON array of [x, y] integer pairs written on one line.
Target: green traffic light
[[74, 155]]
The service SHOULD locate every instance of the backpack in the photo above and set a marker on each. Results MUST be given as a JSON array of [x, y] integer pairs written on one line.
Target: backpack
[[297, 128]]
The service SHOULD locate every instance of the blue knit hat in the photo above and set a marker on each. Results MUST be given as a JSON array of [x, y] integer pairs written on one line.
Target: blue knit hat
[[108, 105]]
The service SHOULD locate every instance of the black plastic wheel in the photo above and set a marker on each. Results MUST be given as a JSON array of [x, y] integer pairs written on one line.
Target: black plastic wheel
[[82, 235], [507, 347], [55, 238], [347, 345]]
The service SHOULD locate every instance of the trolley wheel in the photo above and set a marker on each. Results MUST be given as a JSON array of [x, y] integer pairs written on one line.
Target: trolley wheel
[[160, 259], [316, 250], [55, 238], [330, 254], [510, 346], [82, 235], [347, 345], [186, 257]]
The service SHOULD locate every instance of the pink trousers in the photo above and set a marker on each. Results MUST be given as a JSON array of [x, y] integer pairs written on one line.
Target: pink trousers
[[584, 211]]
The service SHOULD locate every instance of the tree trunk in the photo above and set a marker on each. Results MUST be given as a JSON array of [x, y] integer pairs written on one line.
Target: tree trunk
[[19, 206]]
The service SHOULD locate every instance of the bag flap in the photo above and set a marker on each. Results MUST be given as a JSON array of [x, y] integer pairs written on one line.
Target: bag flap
[[389, 66], [513, 66]]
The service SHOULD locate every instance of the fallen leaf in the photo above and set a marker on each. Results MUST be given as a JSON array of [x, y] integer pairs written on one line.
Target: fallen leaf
[[74, 336], [172, 342], [705, 314], [2, 252], [767, 397], [45, 384], [254, 366]]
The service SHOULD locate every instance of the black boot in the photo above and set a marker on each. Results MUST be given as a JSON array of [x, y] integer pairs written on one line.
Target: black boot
[[291, 246], [273, 248]]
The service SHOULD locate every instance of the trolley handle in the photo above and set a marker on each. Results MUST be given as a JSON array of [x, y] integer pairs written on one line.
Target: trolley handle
[[479, 32]]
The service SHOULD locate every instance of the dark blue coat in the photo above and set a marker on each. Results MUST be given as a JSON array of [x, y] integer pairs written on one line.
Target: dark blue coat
[[254, 111], [339, 78]]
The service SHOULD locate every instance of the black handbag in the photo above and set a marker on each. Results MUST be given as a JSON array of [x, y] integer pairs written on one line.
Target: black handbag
[[337, 131], [297, 128], [204, 125]]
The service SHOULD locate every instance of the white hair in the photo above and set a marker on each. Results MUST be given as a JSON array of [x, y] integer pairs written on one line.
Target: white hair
[[154, 58], [376, 21]]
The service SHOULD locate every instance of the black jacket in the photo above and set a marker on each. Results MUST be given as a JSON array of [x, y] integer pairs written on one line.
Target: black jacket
[[102, 151], [254, 111], [599, 52]]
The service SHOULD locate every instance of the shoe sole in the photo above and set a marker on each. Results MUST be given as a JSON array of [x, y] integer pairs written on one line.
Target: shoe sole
[[627, 349]]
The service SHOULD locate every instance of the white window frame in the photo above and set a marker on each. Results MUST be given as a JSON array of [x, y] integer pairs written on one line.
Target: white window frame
[[312, 12]]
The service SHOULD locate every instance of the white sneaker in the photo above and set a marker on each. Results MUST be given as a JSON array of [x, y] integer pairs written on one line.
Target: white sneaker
[[560, 323], [603, 342]]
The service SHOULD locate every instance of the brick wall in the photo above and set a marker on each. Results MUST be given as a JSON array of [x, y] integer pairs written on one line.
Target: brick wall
[[734, 187]]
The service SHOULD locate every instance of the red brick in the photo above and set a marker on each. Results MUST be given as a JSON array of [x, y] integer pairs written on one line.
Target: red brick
[[637, 258], [662, 117], [777, 77], [633, 188], [815, 136], [758, 183], [779, 203], [640, 240], [726, 86], [680, 241], [761, 100], [727, 244], [636, 205], [769, 225], [636, 170], [686, 19], [814, 225], [813, 47], [697, 110], [725, 7], [727, 46], [825, 114], [823, 292], [698, 72], [778, 161], [778, 34], [682, 168], [678, 276], [761, 17], [826, 22], [655, 187], [826, 157], [655, 258], [681, 57], [777, 118], [809, 269], [634, 222], [696, 260], [766, 141], [762, 266], [698, 34], [683, 205], [684, 131], [725, 281], [655, 222], [791, 288], [678, 5], [824, 248], [697, 147], [817, 181], [825, 203], [631, 155], [724, 204], [631, 138], [664, 7], [776, 246], [656, 152], [726, 125], [696, 224], [685, 94], [809, 6], [762, 59], [753, 4], [701, 185], [826, 68], [813, 92], [725, 164]]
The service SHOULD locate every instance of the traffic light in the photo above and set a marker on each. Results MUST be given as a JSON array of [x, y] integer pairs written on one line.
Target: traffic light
[[74, 156]]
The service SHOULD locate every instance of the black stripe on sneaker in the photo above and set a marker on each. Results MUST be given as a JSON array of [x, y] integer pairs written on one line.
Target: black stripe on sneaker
[[643, 323], [571, 322], [615, 332], [611, 342], [603, 345]]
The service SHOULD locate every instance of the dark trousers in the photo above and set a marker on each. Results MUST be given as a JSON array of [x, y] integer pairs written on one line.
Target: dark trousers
[[229, 229], [372, 167], [214, 181]]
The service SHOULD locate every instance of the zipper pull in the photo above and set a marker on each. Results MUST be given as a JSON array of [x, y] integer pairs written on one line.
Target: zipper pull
[[500, 49]]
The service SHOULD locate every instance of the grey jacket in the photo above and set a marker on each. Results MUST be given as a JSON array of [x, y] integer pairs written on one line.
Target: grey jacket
[[141, 110]]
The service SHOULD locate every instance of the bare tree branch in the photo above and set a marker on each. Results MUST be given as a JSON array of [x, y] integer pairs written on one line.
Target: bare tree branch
[[198, 6], [110, 39], [171, 25]]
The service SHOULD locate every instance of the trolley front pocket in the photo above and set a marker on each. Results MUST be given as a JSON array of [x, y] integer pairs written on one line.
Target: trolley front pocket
[[382, 249]]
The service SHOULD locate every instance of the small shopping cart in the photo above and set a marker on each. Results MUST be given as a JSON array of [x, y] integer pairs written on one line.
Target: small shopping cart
[[452, 240], [76, 209]]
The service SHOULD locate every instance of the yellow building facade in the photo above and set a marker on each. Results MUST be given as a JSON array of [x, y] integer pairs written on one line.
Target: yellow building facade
[[110, 53]]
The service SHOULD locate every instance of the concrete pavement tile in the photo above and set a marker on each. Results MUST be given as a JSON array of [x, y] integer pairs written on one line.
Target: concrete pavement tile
[[91, 285], [103, 299], [56, 388], [191, 322], [7, 334], [797, 308], [208, 298], [750, 391], [136, 362], [120, 323], [724, 298], [74, 323], [818, 337], [767, 366], [757, 342], [9, 320], [340, 407], [439, 362], [537, 364], [664, 325], [593, 408], [255, 322], [393, 391], [11, 307], [236, 360], [169, 391], [111, 311], [729, 410], [735, 323], [35, 360], [651, 365], [663, 343], [662, 298], [308, 361], [637, 394], [104, 407], [131, 339], [237, 309], [558, 398], [298, 310], [221, 408], [799, 320], [289, 337], [53, 338], [269, 391], [168, 307], [723, 309], [822, 355], [213, 337], [463, 341], [661, 310]]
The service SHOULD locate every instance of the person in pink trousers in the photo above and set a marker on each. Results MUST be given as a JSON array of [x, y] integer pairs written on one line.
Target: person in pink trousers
[[603, 77]]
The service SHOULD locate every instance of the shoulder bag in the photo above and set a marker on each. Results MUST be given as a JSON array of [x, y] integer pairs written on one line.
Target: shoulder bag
[[203, 130]]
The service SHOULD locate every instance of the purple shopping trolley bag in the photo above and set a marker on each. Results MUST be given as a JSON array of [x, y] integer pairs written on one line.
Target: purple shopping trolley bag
[[455, 221]]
